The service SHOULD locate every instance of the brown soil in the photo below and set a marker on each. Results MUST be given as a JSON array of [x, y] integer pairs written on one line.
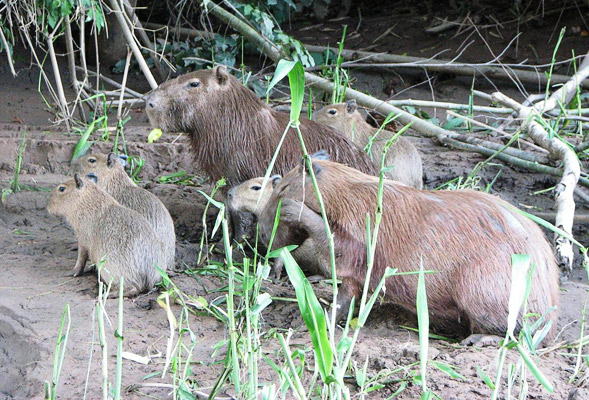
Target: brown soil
[[39, 250]]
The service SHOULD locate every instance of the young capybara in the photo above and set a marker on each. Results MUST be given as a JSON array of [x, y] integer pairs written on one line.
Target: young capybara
[[402, 155], [249, 197], [116, 236], [466, 237], [235, 134], [110, 176]]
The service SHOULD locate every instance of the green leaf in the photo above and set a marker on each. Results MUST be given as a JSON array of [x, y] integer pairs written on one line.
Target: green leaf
[[448, 370], [520, 263], [423, 324], [296, 77], [535, 370], [485, 378], [312, 314], [154, 135]]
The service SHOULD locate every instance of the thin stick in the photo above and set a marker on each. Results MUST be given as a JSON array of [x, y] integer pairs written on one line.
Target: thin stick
[[381, 60], [133, 44], [113, 83], [58, 82], [121, 98], [143, 37], [449, 106]]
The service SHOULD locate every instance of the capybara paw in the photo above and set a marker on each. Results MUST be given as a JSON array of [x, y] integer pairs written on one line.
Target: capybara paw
[[481, 340], [77, 270]]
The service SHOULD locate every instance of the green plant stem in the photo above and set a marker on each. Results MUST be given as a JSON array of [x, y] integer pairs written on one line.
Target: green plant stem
[[233, 335], [119, 336]]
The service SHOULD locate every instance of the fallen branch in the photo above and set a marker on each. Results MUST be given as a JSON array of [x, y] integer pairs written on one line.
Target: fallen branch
[[144, 38], [505, 72], [564, 201], [133, 44]]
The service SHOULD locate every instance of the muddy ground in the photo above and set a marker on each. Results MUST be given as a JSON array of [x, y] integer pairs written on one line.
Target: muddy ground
[[38, 251]]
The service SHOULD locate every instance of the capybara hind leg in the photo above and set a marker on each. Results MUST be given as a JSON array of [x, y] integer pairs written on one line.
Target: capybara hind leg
[[82, 259]]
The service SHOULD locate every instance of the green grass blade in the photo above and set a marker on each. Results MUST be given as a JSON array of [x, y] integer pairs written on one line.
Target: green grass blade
[[423, 324], [520, 264], [312, 314]]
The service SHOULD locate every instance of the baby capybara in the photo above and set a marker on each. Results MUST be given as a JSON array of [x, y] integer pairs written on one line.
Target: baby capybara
[[235, 134], [466, 237], [402, 155], [116, 237], [110, 175], [250, 197]]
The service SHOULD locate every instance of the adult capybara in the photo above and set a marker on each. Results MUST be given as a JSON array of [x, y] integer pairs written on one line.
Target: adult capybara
[[235, 134], [111, 177], [116, 237], [466, 237], [249, 197], [402, 155]]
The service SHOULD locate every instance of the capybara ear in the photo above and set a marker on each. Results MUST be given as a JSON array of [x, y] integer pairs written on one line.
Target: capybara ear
[[111, 159], [321, 155], [221, 74], [92, 176], [276, 179], [122, 159], [79, 181], [351, 106]]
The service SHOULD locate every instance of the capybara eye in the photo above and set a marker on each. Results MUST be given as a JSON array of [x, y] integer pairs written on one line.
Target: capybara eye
[[61, 189], [256, 187], [91, 160], [332, 111], [194, 84]]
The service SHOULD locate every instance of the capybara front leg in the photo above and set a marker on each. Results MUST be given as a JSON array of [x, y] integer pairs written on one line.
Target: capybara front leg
[[348, 290], [82, 259]]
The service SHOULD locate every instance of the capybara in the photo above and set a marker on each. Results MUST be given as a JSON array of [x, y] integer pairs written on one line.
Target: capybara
[[402, 155], [115, 236], [111, 176], [235, 134], [249, 197], [466, 237]]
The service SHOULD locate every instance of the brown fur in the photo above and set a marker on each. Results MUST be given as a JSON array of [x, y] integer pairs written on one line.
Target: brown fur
[[249, 197], [110, 232], [112, 178], [235, 134], [402, 155], [466, 236]]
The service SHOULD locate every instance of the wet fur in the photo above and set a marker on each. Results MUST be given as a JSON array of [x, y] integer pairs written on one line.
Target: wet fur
[[235, 134], [467, 236], [109, 231], [402, 155]]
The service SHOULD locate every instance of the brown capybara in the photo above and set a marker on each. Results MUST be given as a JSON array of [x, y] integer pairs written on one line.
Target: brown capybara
[[115, 236], [466, 237], [111, 177], [251, 197], [235, 134], [402, 155]]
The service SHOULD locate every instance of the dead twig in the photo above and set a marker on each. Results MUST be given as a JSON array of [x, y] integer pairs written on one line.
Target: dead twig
[[535, 127]]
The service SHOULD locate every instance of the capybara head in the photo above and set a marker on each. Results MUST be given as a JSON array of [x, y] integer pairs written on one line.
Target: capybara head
[[180, 103], [249, 196], [100, 167], [341, 116], [65, 197]]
